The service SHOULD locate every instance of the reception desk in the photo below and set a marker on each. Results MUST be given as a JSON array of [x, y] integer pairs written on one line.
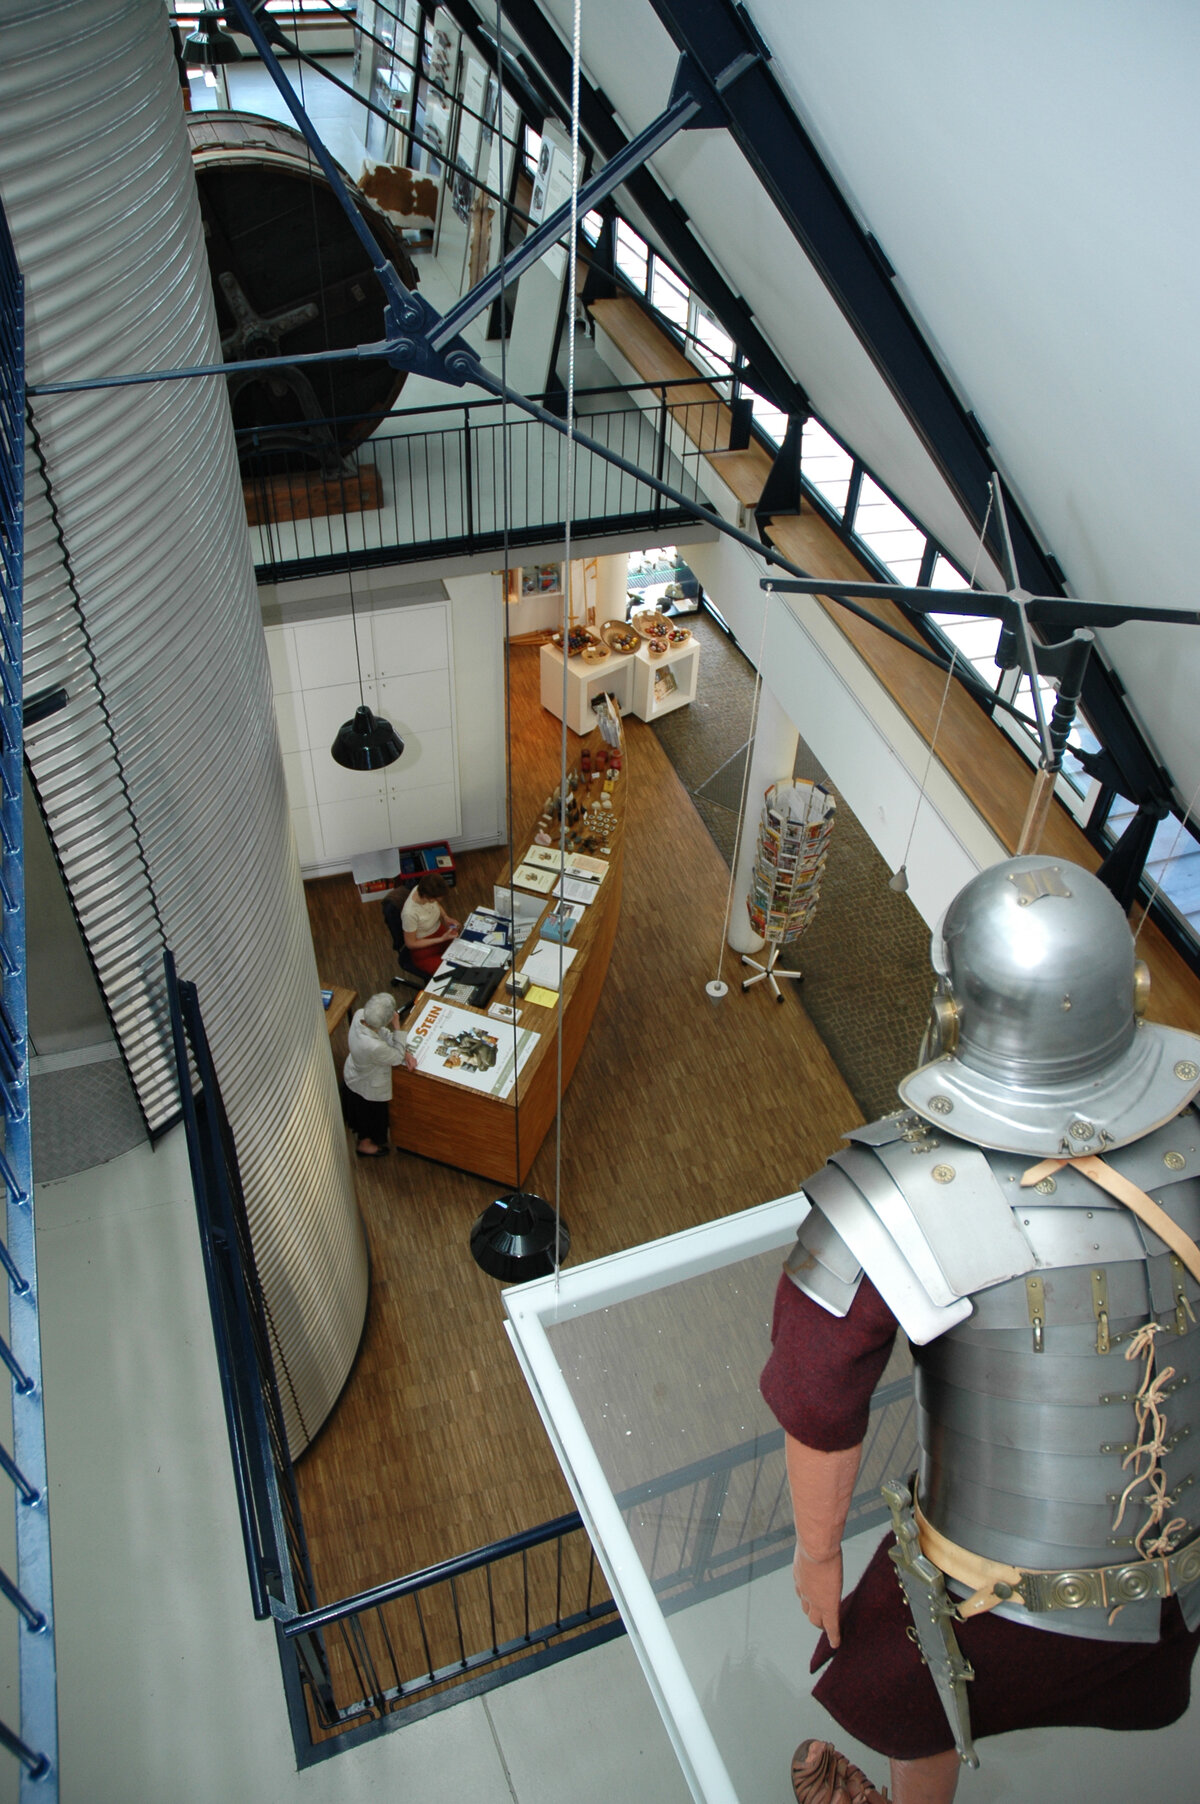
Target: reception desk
[[459, 1126]]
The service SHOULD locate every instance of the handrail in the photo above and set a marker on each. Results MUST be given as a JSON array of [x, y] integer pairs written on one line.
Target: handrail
[[441, 1572], [708, 1539], [31, 1593], [649, 1490]]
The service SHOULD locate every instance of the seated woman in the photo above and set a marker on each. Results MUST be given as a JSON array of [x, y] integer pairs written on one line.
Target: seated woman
[[376, 1044], [428, 928]]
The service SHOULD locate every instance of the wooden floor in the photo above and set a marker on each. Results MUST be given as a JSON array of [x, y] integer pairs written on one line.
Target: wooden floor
[[679, 1111]]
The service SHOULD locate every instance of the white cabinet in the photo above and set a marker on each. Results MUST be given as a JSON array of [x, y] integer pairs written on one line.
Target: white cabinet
[[407, 676], [612, 676]]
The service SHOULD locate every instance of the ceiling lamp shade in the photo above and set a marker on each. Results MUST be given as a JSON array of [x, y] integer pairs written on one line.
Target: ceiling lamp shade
[[514, 1238], [210, 44], [367, 742]]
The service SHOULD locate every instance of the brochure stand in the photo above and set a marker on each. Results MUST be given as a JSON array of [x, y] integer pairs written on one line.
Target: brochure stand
[[793, 844]]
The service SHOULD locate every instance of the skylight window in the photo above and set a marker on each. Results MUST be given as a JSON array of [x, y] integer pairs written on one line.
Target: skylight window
[[887, 530], [826, 464]]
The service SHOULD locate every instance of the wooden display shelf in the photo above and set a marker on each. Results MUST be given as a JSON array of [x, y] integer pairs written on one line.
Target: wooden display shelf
[[460, 1127]]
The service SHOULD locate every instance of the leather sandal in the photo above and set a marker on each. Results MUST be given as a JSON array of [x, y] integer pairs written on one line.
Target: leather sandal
[[820, 1775]]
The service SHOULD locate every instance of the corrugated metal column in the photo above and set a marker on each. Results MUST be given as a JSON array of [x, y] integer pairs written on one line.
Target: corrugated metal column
[[161, 782]]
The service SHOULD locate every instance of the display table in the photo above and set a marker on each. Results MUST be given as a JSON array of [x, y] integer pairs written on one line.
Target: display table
[[653, 698], [459, 1124], [629, 676], [339, 1005], [614, 675]]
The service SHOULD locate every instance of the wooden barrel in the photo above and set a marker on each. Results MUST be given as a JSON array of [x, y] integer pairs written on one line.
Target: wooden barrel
[[290, 276]]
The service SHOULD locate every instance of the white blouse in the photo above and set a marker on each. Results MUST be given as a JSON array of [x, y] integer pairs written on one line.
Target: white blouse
[[373, 1052]]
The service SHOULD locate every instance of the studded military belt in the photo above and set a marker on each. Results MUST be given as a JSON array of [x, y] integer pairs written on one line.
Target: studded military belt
[[1081, 1588]]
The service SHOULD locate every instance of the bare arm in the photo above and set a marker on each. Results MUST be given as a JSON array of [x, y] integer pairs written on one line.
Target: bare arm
[[822, 1485], [446, 931]]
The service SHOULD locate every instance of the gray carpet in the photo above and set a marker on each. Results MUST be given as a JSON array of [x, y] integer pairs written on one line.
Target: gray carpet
[[865, 958]]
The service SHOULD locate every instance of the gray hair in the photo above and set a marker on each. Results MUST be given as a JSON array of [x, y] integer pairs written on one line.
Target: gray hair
[[379, 1009]]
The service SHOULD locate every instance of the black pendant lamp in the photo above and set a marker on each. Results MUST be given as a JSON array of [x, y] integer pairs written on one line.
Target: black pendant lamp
[[515, 1238], [210, 45], [368, 742]]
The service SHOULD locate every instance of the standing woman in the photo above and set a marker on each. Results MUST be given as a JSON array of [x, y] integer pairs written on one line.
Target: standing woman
[[376, 1045]]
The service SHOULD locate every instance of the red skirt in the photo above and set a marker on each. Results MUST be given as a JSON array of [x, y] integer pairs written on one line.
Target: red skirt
[[876, 1687]]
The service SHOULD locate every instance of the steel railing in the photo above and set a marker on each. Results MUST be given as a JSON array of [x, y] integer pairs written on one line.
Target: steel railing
[[35, 1745], [410, 1646], [433, 483]]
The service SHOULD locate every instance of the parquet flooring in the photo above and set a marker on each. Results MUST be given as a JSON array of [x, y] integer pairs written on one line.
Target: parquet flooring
[[679, 1111]]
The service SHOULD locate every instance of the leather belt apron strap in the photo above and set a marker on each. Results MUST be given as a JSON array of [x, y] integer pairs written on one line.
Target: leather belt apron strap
[[968, 1568], [1143, 1206], [1100, 1587]]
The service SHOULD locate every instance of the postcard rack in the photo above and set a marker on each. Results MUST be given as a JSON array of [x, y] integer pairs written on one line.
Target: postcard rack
[[793, 844]]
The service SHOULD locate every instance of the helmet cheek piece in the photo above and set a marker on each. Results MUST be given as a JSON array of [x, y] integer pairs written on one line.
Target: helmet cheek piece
[[941, 1028], [1141, 987]]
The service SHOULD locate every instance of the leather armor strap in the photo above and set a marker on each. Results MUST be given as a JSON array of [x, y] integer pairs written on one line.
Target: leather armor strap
[[1143, 1206], [1087, 1587]]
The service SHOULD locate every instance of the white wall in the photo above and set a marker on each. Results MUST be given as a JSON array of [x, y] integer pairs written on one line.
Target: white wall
[[870, 750]]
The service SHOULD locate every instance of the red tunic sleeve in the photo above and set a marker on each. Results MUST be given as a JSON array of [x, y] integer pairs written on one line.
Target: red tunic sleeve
[[823, 1368]]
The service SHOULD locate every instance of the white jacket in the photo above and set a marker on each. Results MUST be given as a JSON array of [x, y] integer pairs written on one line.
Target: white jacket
[[368, 1067]]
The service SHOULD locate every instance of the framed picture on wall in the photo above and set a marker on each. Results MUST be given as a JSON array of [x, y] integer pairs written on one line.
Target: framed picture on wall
[[540, 579]]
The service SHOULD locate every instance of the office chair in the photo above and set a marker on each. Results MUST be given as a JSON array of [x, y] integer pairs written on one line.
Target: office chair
[[410, 975]]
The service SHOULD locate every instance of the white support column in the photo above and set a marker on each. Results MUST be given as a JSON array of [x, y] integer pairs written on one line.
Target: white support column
[[772, 757]]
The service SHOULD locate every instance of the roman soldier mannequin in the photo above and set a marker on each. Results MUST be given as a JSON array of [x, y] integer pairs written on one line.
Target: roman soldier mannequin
[[1029, 1220]]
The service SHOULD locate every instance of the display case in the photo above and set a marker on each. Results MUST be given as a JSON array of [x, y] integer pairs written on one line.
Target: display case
[[666, 682]]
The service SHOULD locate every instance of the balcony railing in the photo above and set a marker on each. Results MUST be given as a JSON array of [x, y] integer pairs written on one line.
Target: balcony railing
[[432, 484], [408, 1647]]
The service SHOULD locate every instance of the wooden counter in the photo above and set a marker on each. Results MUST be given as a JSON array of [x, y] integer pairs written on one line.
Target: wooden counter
[[500, 1139]]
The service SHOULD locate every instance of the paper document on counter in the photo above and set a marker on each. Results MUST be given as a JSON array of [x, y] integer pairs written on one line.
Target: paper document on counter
[[475, 952], [469, 1049], [543, 964], [577, 889]]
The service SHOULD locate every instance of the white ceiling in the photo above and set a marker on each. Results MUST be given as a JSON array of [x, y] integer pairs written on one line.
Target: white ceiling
[[1030, 172]]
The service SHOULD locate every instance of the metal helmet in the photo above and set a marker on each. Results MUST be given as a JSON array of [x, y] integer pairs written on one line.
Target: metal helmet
[[1035, 1041]]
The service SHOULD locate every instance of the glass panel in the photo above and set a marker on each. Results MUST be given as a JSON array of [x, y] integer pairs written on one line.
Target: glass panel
[[825, 464], [532, 150], [772, 419], [632, 256], [645, 1366], [945, 576], [591, 225], [889, 532], [714, 339], [975, 637], [668, 293], [1173, 863]]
